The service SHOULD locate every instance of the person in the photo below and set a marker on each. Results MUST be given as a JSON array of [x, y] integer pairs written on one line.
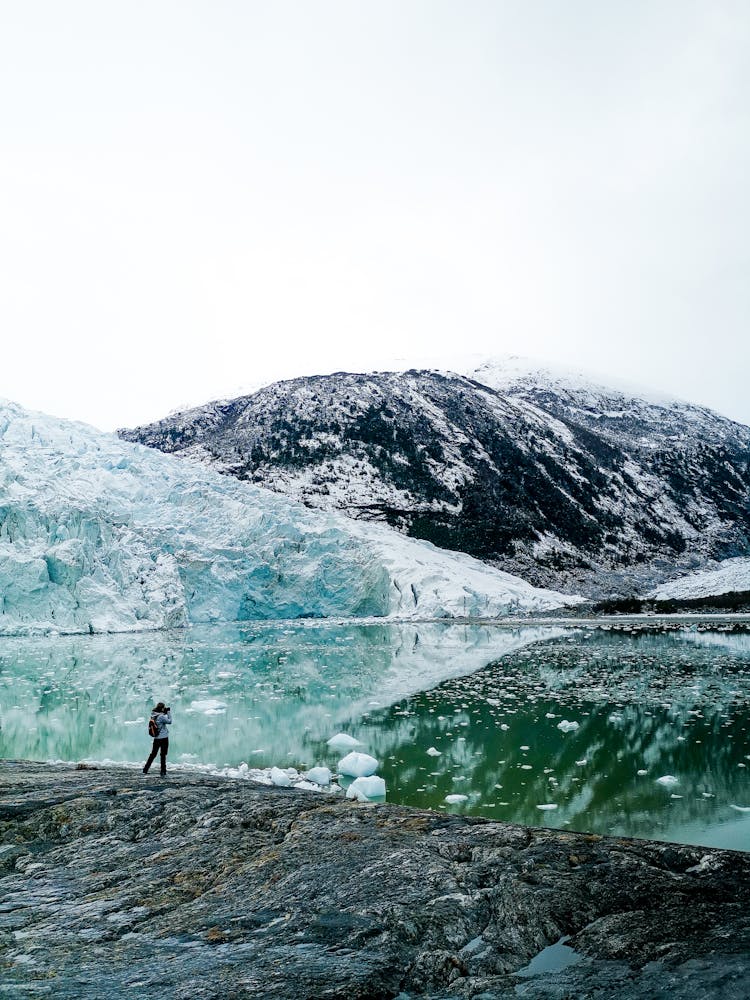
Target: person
[[162, 715]]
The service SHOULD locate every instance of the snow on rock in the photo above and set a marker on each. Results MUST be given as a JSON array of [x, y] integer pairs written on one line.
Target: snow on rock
[[99, 535], [358, 765], [365, 789], [342, 741], [730, 575]]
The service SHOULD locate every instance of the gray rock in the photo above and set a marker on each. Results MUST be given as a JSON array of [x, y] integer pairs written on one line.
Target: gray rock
[[115, 884]]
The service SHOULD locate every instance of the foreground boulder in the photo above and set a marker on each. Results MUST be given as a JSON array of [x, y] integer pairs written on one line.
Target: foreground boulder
[[114, 884]]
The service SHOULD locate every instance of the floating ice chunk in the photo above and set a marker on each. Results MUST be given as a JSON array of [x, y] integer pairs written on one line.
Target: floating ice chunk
[[550, 715], [504, 727], [279, 777], [740, 809], [209, 706], [525, 748], [358, 765], [642, 771], [342, 741], [582, 763], [547, 806], [366, 788], [432, 752], [319, 775], [455, 799], [134, 722], [567, 727], [668, 780], [673, 796]]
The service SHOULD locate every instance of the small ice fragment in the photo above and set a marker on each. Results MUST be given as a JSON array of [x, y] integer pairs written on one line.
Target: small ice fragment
[[642, 771], [547, 806], [567, 727], [673, 796], [550, 715], [525, 748], [342, 741], [454, 799], [319, 775], [668, 780], [432, 752], [740, 809], [279, 777], [358, 765], [366, 788], [582, 762], [504, 727], [209, 706]]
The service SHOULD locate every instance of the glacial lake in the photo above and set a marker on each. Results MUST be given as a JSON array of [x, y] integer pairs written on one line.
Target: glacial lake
[[621, 733]]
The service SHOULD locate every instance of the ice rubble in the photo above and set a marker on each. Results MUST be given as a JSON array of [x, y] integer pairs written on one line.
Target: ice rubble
[[730, 575], [98, 535]]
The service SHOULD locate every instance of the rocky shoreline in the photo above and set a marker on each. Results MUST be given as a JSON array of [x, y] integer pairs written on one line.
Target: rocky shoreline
[[113, 884]]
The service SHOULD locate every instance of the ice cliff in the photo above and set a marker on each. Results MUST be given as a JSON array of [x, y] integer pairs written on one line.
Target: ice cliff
[[99, 535]]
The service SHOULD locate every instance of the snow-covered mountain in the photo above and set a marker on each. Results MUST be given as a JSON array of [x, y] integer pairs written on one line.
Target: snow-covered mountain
[[545, 473], [730, 576], [100, 535]]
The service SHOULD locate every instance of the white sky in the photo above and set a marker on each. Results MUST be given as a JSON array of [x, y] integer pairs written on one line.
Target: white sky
[[201, 196]]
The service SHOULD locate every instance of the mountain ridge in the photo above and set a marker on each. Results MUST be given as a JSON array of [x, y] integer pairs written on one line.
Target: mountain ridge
[[565, 483]]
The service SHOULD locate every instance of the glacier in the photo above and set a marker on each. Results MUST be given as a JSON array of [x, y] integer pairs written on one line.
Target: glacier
[[99, 535], [728, 576]]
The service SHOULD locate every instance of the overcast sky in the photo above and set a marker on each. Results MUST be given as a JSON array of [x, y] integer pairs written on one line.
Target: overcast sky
[[196, 197]]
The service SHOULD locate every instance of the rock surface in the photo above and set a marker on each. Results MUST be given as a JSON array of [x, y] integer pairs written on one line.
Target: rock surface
[[114, 884]]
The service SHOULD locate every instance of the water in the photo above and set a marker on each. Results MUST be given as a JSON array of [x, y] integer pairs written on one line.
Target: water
[[486, 702]]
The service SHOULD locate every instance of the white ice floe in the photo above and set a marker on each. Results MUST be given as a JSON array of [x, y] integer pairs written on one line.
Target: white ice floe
[[358, 765], [366, 788], [279, 777], [342, 741], [208, 706], [668, 781], [547, 806], [642, 771], [433, 752], [319, 775], [455, 799], [566, 726]]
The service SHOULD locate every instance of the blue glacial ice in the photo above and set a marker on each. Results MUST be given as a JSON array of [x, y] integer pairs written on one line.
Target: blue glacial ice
[[99, 535]]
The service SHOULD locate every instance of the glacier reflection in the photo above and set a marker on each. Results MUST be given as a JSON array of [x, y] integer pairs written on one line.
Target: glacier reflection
[[263, 694], [487, 702]]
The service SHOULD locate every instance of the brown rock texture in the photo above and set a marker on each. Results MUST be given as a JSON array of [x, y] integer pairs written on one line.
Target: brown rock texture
[[114, 884]]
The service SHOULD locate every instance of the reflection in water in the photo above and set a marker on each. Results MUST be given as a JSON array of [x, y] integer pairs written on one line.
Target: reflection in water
[[260, 694], [646, 706]]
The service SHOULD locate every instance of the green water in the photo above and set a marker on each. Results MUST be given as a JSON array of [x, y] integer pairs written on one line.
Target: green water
[[486, 701]]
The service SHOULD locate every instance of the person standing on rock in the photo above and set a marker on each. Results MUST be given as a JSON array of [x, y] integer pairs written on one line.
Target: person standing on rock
[[161, 717]]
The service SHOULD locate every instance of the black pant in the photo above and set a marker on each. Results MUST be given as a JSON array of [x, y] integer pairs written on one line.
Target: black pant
[[159, 745]]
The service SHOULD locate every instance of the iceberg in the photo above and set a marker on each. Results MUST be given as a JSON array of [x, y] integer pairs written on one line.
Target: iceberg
[[366, 788], [99, 535], [342, 741], [358, 765]]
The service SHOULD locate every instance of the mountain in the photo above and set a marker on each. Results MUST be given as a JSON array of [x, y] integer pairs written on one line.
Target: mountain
[[546, 474], [100, 535]]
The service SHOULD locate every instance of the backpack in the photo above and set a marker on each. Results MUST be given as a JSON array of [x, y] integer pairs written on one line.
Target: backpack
[[153, 728]]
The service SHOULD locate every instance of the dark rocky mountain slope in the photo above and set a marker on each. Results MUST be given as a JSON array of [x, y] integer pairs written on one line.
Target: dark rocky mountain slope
[[566, 483]]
